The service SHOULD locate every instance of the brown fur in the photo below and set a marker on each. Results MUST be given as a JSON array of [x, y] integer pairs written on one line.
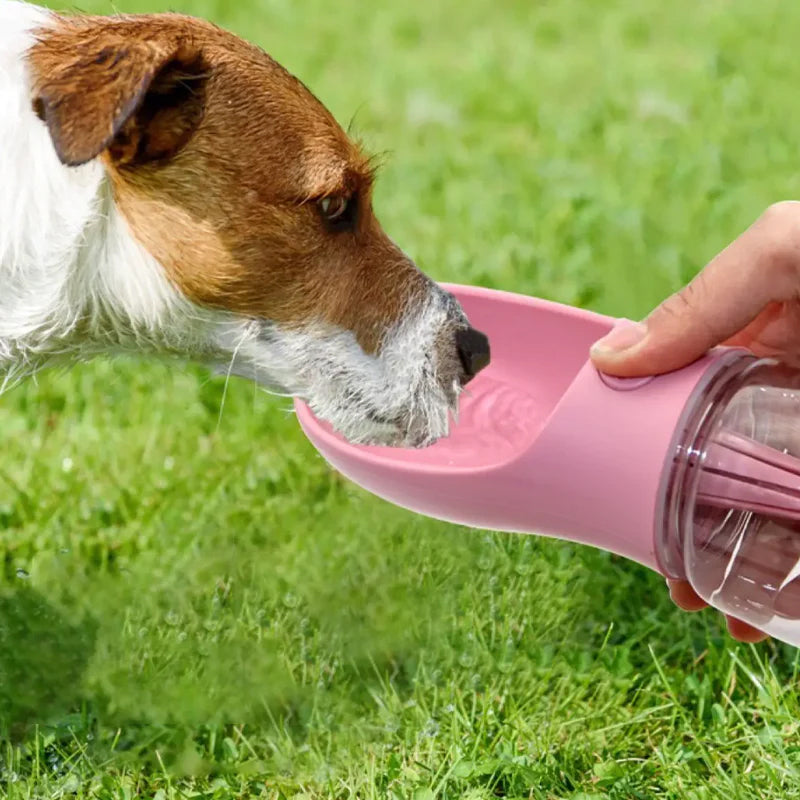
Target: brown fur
[[217, 158]]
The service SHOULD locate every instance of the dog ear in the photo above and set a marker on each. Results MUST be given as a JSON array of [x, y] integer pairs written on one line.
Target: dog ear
[[132, 87]]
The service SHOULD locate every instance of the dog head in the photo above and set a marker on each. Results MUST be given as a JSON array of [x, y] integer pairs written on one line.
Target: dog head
[[257, 207]]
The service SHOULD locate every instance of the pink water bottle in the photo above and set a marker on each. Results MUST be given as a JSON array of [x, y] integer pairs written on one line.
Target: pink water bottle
[[695, 474]]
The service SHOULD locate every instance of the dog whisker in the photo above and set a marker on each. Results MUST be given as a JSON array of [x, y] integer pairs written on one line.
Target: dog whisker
[[228, 377]]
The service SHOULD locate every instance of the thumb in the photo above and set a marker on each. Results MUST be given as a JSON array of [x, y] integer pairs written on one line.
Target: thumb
[[757, 269], [679, 331]]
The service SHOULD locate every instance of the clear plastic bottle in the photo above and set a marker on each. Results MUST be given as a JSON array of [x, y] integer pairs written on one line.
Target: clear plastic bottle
[[730, 524]]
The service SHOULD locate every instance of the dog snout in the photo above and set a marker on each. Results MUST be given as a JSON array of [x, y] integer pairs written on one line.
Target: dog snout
[[473, 352]]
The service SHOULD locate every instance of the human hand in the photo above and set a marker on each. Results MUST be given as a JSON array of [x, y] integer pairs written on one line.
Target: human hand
[[747, 296]]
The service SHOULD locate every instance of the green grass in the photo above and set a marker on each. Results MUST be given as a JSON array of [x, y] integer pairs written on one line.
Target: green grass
[[197, 607]]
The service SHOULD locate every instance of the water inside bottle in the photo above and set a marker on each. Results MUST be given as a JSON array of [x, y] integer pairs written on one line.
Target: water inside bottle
[[746, 563]]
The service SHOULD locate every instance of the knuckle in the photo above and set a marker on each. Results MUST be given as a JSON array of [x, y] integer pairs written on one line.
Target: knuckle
[[678, 304], [688, 298], [686, 308]]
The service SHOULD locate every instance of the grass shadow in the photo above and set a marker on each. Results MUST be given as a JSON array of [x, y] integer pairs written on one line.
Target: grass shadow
[[43, 657]]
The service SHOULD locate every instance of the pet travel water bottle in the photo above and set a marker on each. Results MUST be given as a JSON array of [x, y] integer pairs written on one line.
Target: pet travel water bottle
[[695, 474]]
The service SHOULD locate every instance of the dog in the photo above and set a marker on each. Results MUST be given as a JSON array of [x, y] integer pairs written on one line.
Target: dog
[[168, 188]]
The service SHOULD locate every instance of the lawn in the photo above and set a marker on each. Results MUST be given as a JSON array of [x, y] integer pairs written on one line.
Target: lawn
[[193, 605]]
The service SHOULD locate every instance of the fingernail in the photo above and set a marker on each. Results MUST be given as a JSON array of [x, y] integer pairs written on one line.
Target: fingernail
[[620, 339]]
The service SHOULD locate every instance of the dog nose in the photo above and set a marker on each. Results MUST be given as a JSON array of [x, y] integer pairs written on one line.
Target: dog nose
[[473, 350]]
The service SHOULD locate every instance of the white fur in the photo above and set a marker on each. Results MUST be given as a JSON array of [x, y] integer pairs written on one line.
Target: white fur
[[74, 282], [72, 279], [396, 398]]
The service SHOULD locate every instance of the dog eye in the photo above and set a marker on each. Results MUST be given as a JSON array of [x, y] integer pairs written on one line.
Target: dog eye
[[333, 207], [338, 211]]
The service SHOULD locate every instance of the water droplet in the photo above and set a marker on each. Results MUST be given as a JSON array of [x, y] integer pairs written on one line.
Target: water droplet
[[290, 600], [21, 573], [172, 617], [66, 464], [169, 463]]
